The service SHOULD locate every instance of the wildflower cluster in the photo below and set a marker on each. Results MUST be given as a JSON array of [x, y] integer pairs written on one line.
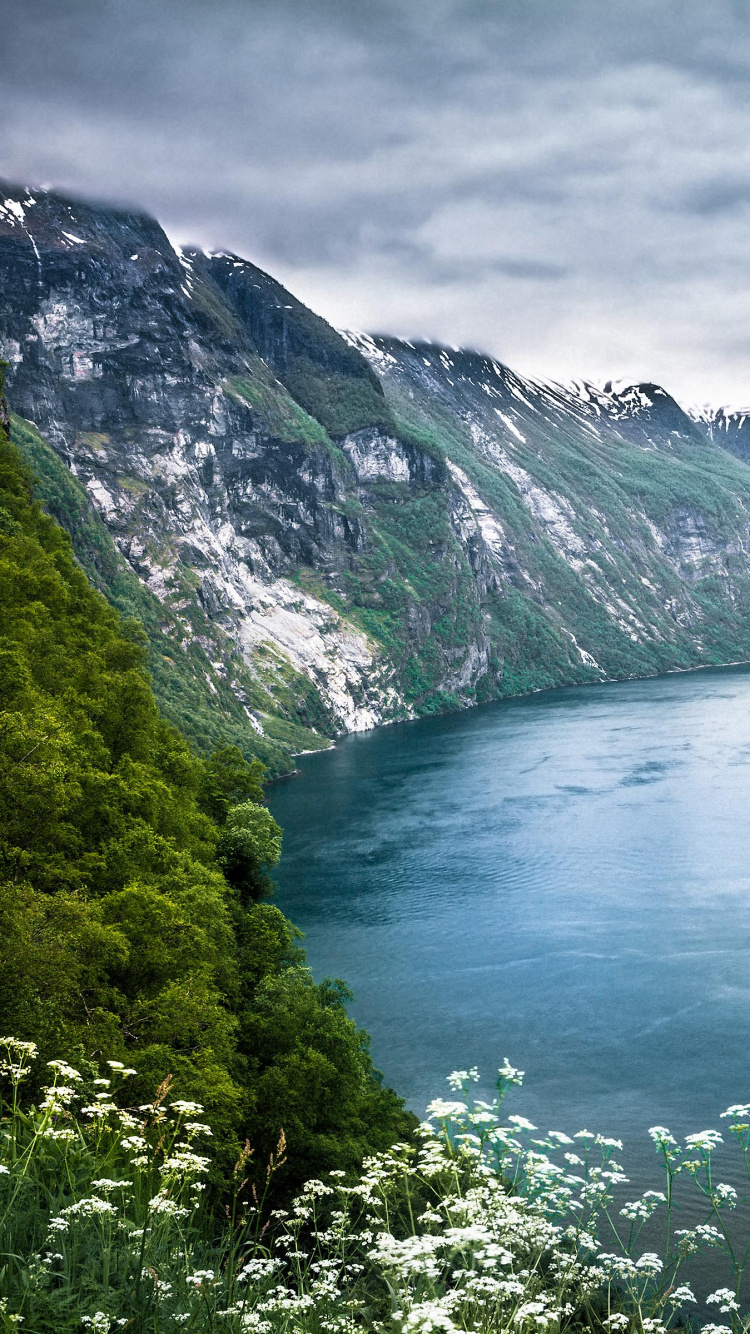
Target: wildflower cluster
[[484, 1224]]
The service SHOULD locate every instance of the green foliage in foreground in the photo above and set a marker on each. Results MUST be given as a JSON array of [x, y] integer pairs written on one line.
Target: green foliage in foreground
[[119, 933], [487, 1226]]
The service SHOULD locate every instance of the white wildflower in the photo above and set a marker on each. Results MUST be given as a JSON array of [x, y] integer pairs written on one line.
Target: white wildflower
[[707, 1232], [19, 1048], [661, 1136], [202, 1275], [184, 1162], [88, 1207], [725, 1299], [162, 1204], [445, 1111], [57, 1097], [508, 1073], [640, 1210], [200, 1128], [682, 1294], [65, 1070], [707, 1140], [521, 1123], [458, 1078], [649, 1263]]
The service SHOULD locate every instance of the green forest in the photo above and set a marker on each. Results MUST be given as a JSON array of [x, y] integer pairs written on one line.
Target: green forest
[[135, 920]]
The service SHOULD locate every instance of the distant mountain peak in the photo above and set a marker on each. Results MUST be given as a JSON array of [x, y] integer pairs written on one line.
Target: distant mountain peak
[[328, 530]]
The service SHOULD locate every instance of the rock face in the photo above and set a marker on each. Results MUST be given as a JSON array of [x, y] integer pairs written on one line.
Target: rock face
[[322, 533], [611, 512], [729, 429]]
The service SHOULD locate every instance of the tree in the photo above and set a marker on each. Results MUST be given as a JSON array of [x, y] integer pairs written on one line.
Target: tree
[[248, 847], [227, 780]]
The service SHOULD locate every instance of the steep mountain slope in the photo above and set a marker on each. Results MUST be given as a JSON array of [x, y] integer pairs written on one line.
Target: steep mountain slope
[[610, 511], [320, 532], [206, 703], [729, 429], [212, 480]]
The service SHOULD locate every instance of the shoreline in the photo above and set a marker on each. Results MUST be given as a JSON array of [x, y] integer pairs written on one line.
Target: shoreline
[[525, 694]]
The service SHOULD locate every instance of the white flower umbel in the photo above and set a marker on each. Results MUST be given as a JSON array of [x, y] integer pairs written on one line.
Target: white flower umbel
[[705, 1141], [725, 1299]]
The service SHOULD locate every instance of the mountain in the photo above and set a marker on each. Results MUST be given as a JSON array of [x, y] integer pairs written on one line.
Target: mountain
[[321, 532], [729, 429]]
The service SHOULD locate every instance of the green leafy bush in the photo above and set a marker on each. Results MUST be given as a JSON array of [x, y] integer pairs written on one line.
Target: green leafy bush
[[248, 847]]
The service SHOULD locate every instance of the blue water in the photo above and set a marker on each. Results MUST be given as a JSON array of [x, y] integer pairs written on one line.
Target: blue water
[[562, 879]]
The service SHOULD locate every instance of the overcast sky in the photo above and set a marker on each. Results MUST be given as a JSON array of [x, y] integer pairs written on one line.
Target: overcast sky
[[563, 183]]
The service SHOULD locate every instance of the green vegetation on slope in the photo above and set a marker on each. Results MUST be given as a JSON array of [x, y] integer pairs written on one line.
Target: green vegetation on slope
[[328, 378], [209, 707], [412, 570], [341, 402], [277, 413], [616, 488], [119, 933]]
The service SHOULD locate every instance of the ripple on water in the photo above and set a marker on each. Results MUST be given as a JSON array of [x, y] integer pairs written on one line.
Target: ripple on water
[[562, 879]]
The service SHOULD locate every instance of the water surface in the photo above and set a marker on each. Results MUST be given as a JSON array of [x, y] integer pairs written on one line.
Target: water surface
[[562, 879]]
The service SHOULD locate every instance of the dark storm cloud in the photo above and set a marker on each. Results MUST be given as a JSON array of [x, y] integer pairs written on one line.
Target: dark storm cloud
[[564, 182]]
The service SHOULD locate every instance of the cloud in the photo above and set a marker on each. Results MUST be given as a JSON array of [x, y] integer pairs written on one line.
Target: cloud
[[565, 185]]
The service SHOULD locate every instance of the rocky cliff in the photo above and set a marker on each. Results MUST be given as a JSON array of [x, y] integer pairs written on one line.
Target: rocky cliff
[[729, 429], [322, 532]]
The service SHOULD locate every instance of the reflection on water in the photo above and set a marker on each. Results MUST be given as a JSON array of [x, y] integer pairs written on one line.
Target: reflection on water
[[561, 879]]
